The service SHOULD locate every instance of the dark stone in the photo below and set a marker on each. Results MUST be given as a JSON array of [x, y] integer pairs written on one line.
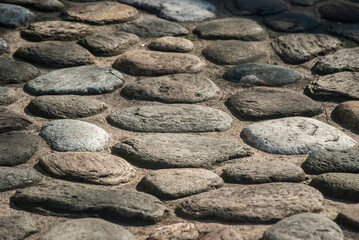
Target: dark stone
[[14, 178], [12, 121], [347, 114], [350, 31], [42, 5], [291, 22], [349, 216], [305, 3], [13, 16], [258, 7], [14, 72], [340, 12]]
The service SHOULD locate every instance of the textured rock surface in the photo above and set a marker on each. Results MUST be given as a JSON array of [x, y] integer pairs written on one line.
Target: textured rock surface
[[179, 88], [43, 5], [16, 227], [14, 72], [295, 135], [4, 47], [11, 120], [179, 150], [171, 44], [171, 118], [7, 96], [340, 11], [292, 22], [350, 31], [14, 178], [259, 7], [88, 167], [349, 216], [254, 203], [13, 16], [347, 113]]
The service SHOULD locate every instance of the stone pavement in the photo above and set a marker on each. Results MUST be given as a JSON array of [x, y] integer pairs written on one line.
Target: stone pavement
[[179, 119]]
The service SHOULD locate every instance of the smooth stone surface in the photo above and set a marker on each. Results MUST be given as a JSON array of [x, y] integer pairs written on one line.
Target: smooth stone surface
[[350, 31], [4, 48], [88, 167], [171, 44], [80, 201], [14, 72], [341, 60], [347, 114], [101, 13], [149, 63], [11, 120], [43, 5], [291, 22], [231, 28], [17, 148], [304, 226], [339, 185], [56, 30], [14, 178], [295, 135], [171, 118], [179, 150], [349, 216], [178, 88], [264, 172], [262, 74], [55, 54], [325, 161], [16, 227], [258, 7], [109, 44], [13, 16], [264, 203], [301, 47], [74, 135], [234, 52], [66, 106], [151, 26], [305, 3], [7, 96], [267, 103], [181, 11], [84, 80], [179, 183], [87, 228], [340, 12]]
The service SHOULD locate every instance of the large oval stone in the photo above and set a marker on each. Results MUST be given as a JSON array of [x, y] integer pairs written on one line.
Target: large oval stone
[[347, 113], [13, 16], [349, 30], [346, 12], [16, 227], [258, 7], [171, 44], [42, 5], [11, 120], [291, 22], [14, 72], [14, 178]]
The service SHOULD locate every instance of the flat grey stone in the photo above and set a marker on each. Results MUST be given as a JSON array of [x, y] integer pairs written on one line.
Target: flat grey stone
[[109, 44], [325, 161], [339, 185], [7, 96], [179, 150], [42, 5], [74, 135], [234, 52], [11, 120], [80, 201], [151, 26], [262, 74], [305, 3], [178, 88], [258, 7], [17, 148], [178, 183], [291, 22], [171, 118], [301, 47], [84, 80], [264, 172], [87, 228], [181, 11], [347, 114], [150, 63], [16, 227], [56, 30], [93, 168], [263, 203], [4, 48], [295, 135], [231, 28], [341, 60], [350, 31], [14, 178], [14, 72], [346, 12], [13, 16], [66, 106], [304, 226], [171, 44], [55, 54], [267, 103], [349, 216]]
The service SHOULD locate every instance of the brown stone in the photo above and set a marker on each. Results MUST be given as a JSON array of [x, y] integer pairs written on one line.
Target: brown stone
[[347, 113], [171, 44], [11, 120]]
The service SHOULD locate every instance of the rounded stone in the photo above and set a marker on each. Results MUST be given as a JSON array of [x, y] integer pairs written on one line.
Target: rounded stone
[[346, 12], [258, 7], [262, 74], [349, 216], [88, 167], [347, 113], [232, 52], [171, 44], [15, 72], [231, 28], [304, 226], [84, 80], [16, 227], [42, 5], [291, 22], [55, 54], [350, 31], [261, 203], [305, 3], [171, 118], [148, 63], [267, 103], [264, 172], [101, 13], [109, 44], [179, 88], [66, 106], [14, 178], [13, 16], [179, 150], [74, 135], [7, 96], [295, 135], [4, 47], [11, 120], [87, 228]]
